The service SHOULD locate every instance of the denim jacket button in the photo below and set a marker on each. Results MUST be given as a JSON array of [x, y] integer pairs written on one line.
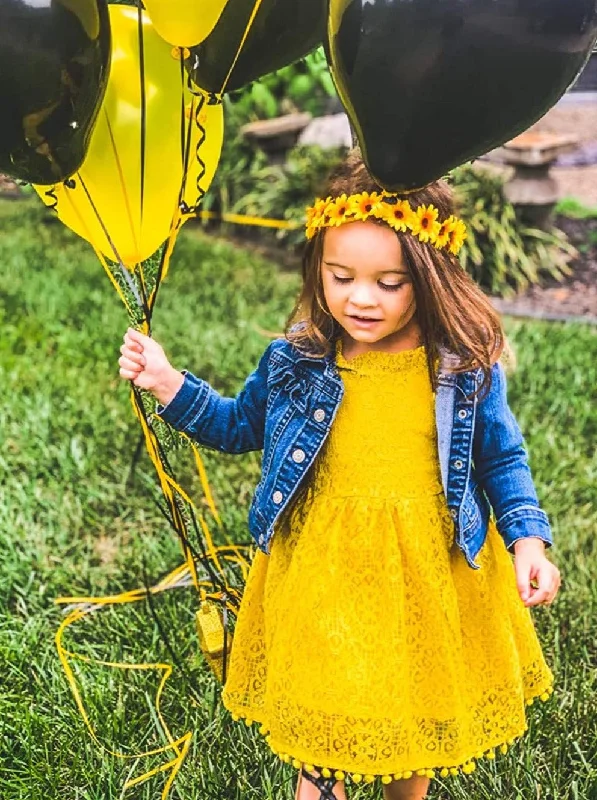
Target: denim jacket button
[[277, 497], [453, 513], [298, 456], [319, 415], [458, 464], [462, 414]]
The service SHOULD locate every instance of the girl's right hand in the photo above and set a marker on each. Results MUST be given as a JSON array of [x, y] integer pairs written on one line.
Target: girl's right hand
[[144, 362]]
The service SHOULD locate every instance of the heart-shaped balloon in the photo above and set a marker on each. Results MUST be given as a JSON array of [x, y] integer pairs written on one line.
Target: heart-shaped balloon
[[54, 63], [430, 84], [278, 32]]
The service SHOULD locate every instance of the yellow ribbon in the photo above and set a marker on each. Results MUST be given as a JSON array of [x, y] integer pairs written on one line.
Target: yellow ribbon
[[217, 557], [86, 605], [242, 219]]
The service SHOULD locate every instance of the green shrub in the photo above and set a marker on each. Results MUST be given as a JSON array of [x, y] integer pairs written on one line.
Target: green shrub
[[305, 85], [244, 172], [284, 191], [500, 253], [239, 162], [247, 183]]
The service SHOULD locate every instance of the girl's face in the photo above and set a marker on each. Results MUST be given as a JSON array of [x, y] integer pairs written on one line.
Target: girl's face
[[368, 288]]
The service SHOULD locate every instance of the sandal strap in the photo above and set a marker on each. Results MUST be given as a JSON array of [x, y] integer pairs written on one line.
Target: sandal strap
[[325, 785]]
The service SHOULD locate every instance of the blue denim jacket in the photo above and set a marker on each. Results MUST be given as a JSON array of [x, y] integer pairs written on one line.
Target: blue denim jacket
[[287, 408]]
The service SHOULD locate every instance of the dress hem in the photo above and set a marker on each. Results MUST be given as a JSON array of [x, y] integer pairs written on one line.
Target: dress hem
[[442, 771]]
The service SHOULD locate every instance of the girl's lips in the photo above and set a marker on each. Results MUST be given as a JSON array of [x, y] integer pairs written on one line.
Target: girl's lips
[[364, 321]]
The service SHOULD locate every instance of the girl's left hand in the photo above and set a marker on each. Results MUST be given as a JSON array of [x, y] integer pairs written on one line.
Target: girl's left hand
[[537, 579]]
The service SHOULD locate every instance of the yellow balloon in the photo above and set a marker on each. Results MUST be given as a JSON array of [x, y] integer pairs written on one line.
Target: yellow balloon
[[126, 194], [184, 22]]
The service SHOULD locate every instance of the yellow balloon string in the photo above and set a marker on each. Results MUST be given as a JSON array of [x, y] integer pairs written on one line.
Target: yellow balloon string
[[88, 605], [168, 485], [204, 483], [216, 558]]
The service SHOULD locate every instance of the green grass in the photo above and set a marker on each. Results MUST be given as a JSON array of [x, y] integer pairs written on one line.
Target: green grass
[[575, 209], [72, 521]]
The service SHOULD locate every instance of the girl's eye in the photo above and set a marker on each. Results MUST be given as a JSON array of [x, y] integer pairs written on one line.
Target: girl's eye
[[391, 287], [338, 279]]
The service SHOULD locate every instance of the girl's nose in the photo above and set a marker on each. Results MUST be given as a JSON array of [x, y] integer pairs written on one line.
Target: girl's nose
[[362, 296]]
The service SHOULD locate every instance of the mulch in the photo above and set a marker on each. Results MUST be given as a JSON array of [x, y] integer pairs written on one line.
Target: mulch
[[575, 297]]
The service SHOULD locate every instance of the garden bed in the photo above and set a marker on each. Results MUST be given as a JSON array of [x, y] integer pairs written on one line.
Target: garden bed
[[576, 295]]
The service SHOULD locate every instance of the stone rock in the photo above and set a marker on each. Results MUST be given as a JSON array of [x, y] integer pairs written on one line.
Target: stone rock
[[327, 132], [8, 187]]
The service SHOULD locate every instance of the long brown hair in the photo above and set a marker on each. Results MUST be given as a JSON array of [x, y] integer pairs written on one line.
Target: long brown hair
[[453, 313]]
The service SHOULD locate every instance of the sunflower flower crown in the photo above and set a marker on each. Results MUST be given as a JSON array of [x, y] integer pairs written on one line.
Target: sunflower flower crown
[[422, 222]]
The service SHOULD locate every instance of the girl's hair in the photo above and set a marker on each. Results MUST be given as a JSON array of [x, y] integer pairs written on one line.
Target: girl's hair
[[452, 311]]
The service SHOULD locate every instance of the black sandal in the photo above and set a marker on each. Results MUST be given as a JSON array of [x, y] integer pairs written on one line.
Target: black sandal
[[325, 785]]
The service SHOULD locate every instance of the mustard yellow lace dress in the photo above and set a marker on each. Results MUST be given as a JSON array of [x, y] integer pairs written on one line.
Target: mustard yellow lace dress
[[365, 644]]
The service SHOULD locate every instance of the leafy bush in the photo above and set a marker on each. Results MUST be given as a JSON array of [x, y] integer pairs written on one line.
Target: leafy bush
[[283, 191], [503, 255], [239, 162], [244, 172], [246, 183], [305, 85]]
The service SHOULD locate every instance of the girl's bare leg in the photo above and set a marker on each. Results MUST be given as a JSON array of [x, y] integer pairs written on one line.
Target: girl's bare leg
[[328, 789], [412, 789]]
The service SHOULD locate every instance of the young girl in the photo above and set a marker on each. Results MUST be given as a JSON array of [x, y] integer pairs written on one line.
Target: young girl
[[384, 630]]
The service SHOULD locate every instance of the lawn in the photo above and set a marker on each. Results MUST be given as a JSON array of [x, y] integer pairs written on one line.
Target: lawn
[[76, 519]]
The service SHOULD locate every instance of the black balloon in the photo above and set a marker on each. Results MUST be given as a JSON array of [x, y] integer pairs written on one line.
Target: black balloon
[[54, 63], [282, 32], [430, 84]]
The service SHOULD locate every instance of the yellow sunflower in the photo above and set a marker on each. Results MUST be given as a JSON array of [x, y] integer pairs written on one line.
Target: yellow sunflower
[[399, 215], [309, 216], [365, 204], [321, 205], [457, 237], [316, 216], [338, 210], [311, 230], [446, 228], [425, 224]]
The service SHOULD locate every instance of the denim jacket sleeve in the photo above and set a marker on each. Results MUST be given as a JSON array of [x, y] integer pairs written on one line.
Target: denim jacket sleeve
[[502, 467], [230, 424]]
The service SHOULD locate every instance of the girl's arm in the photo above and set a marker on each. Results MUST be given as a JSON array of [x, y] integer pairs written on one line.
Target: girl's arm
[[191, 405], [502, 467]]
